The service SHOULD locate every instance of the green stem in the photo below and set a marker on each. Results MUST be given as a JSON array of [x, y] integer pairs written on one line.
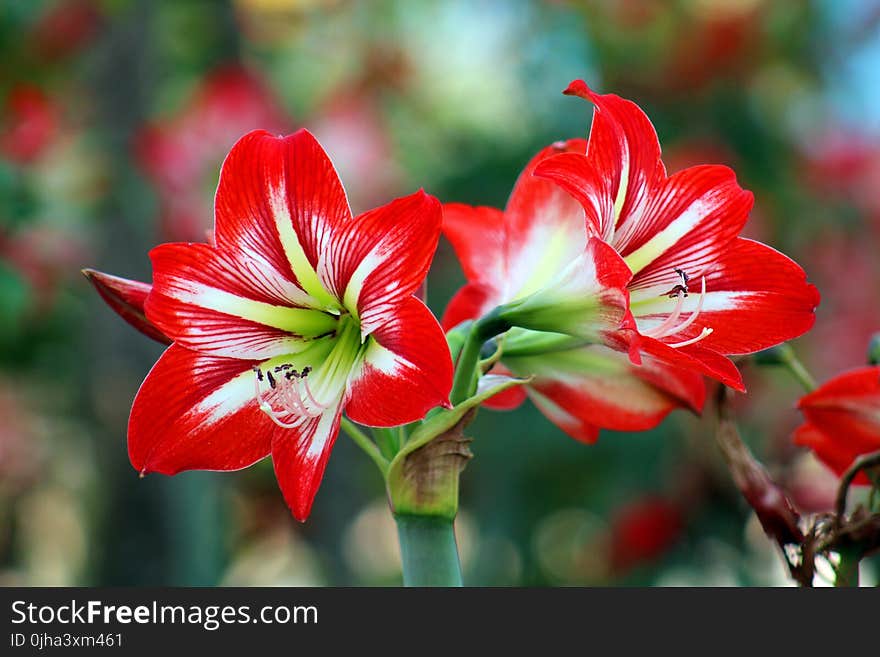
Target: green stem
[[847, 571], [363, 441], [428, 551], [796, 367], [464, 372], [469, 358]]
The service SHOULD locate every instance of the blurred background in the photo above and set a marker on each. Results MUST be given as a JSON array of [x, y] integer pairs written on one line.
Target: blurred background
[[114, 118]]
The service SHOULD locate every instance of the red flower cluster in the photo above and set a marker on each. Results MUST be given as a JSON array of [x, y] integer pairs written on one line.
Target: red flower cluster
[[616, 286]]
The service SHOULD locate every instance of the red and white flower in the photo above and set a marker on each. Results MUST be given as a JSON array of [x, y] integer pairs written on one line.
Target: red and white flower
[[296, 312], [630, 286], [522, 258], [699, 292], [843, 419]]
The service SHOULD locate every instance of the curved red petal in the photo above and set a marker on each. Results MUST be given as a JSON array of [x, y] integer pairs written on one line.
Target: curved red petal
[[755, 298], [197, 412], [506, 400], [300, 457], [219, 302], [847, 410], [277, 196], [836, 453], [479, 237], [536, 205], [623, 146], [518, 250], [126, 298], [473, 300], [382, 257], [574, 173], [689, 222], [697, 359], [407, 370], [594, 386]]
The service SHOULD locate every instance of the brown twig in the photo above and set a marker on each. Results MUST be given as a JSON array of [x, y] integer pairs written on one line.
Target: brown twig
[[864, 462], [775, 511]]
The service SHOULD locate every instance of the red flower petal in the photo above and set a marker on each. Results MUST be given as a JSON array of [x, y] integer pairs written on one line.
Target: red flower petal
[[506, 400], [518, 251], [197, 412], [126, 298], [696, 358], [479, 237], [755, 298], [688, 223], [279, 201], [537, 207], [300, 457], [583, 389], [382, 257], [575, 173], [623, 146], [835, 452], [406, 372], [847, 410], [219, 302], [472, 301]]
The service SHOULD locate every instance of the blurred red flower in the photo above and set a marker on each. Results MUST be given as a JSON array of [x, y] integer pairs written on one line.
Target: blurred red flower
[[66, 27], [643, 531], [30, 121], [843, 419], [181, 153]]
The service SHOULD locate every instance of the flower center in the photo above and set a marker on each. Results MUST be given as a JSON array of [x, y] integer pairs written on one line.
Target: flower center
[[292, 391], [671, 325]]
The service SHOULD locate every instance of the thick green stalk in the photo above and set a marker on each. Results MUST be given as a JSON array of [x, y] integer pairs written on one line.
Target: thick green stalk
[[428, 551]]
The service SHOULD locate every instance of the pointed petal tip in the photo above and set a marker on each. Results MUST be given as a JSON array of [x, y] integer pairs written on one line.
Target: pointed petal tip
[[579, 88]]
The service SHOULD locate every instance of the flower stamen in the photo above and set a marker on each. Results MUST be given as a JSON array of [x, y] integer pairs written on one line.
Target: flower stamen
[[670, 325], [292, 390], [705, 333]]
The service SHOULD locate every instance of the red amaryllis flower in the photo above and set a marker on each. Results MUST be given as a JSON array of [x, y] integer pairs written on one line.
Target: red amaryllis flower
[[843, 419], [699, 292], [511, 256], [295, 312]]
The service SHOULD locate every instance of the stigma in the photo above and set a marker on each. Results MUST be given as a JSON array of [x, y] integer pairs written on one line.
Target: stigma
[[291, 393], [672, 324]]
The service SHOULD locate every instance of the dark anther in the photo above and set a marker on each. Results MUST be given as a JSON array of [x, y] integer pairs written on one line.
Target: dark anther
[[681, 287], [271, 380], [306, 370], [256, 368]]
